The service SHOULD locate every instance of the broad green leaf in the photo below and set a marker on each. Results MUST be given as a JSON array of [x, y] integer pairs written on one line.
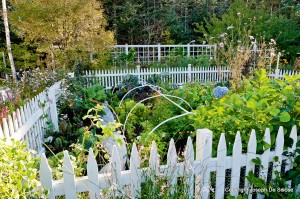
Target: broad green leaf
[[98, 124], [285, 117], [266, 145], [251, 104], [274, 111]]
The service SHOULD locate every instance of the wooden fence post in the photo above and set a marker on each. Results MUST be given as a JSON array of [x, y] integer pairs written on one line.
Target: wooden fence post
[[158, 53], [53, 109], [203, 154], [277, 73], [126, 49], [138, 72], [215, 51], [189, 74]]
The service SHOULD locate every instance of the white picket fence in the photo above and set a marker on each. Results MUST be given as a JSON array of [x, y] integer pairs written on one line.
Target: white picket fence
[[147, 54], [279, 74], [195, 170], [175, 76], [28, 122]]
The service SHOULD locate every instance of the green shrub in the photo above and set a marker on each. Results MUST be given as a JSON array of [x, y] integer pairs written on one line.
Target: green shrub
[[18, 171], [260, 103]]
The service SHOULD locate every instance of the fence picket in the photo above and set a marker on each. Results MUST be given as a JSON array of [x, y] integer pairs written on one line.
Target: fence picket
[[26, 111], [154, 161], [46, 176], [10, 126], [92, 172], [15, 121], [172, 163], [291, 149], [203, 154], [135, 183], [251, 154], [1, 133], [116, 172], [189, 169], [19, 119], [236, 165], [265, 156], [23, 119], [69, 177], [263, 172], [221, 162], [278, 152]]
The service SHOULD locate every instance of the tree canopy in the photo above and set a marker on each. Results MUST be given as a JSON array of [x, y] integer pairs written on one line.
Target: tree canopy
[[65, 29]]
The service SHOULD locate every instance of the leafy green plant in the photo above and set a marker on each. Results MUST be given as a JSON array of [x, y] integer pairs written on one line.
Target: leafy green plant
[[122, 59], [259, 104], [91, 136], [134, 125], [18, 171], [277, 187], [57, 141]]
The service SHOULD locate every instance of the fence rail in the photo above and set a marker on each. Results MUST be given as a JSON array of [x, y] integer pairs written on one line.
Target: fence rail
[[195, 170], [28, 122]]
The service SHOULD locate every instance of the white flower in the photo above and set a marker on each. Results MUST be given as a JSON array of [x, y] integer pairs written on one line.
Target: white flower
[[205, 35], [241, 49], [223, 34], [239, 41], [221, 45], [273, 41], [229, 27], [204, 42], [272, 52], [211, 38], [251, 37], [238, 13]]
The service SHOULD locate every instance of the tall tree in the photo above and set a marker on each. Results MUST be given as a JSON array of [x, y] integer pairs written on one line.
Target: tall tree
[[66, 30], [8, 42]]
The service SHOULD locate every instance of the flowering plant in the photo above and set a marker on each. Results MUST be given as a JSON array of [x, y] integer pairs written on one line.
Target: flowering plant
[[240, 51], [220, 91]]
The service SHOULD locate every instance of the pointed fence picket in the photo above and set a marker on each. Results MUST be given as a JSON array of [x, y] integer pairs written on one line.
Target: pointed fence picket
[[251, 154], [202, 165], [221, 167], [172, 166], [236, 165]]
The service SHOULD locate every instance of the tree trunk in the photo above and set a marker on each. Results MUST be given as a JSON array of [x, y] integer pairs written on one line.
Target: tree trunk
[[8, 43]]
